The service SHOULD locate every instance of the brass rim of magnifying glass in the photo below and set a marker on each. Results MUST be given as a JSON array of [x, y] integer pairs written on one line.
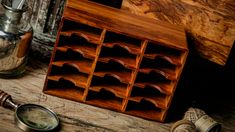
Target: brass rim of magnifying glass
[[27, 128]]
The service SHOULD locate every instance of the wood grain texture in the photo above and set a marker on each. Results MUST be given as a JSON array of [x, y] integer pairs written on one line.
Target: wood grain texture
[[73, 116], [124, 22], [39, 14], [42, 46], [76, 117], [123, 42], [54, 15], [211, 24]]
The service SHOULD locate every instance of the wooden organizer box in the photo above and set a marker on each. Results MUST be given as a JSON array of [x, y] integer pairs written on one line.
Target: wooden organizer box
[[112, 59]]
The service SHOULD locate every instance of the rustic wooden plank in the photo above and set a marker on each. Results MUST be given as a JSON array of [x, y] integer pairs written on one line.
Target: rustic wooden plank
[[42, 46], [27, 15], [39, 16], [54, 15], [211, 24]]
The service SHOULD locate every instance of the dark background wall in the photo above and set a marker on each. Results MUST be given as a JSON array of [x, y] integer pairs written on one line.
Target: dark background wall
[[205, 85]]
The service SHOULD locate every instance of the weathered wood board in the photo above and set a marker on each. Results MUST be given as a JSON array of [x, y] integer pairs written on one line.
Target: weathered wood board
[[210, 23]]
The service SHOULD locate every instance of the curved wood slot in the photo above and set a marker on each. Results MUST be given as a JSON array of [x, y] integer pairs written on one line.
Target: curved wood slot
[[133, 49], [106, 75], [69, 54], [155, 80], [116, 51], [116, 90], [152, 77], [106, 80], [151, 94], [173, 60], [65, 69], [91, 34], [119, 55], [174, 56], [168, 74], [64, 89], [123, 77], [74, 39], [114, 69], [79, 80], [83, 66], [116, 75], [133, 45], [109, 83], [90, 37], [144, 109], [82, 50], [111, 66], [105, 99], [159, 64], [162, 87], [78, 44], [121, 60]]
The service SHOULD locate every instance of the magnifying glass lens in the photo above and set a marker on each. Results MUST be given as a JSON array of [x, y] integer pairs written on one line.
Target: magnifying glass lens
[[36, 117]]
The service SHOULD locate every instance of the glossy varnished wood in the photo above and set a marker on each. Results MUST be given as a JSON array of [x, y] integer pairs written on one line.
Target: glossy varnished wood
[[78, 80], [169, 74], [209, 24], [94, 38], [128, 62], [120, 63], [124, 77], [160, 102], [131, 48], [118, 90], [162, 87], [82, 65], [87, 51], [124, 22]]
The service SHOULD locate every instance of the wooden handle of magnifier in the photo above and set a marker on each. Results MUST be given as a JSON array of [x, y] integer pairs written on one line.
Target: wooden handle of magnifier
[[3, 98]]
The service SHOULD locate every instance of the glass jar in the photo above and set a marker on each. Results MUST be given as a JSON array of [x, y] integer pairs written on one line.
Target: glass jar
[[15, 39]]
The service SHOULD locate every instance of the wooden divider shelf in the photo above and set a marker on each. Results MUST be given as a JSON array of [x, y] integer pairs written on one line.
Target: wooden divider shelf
[[145, 109], [66, 89], [109, 83], [112, 59], [132, 45], [89, 33], [104, 98]]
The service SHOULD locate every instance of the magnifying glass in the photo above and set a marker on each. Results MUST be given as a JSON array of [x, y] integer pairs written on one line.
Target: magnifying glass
[[30, 117]]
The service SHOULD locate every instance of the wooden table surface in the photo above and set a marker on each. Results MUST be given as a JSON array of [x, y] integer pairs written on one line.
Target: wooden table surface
[[73, 116]]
